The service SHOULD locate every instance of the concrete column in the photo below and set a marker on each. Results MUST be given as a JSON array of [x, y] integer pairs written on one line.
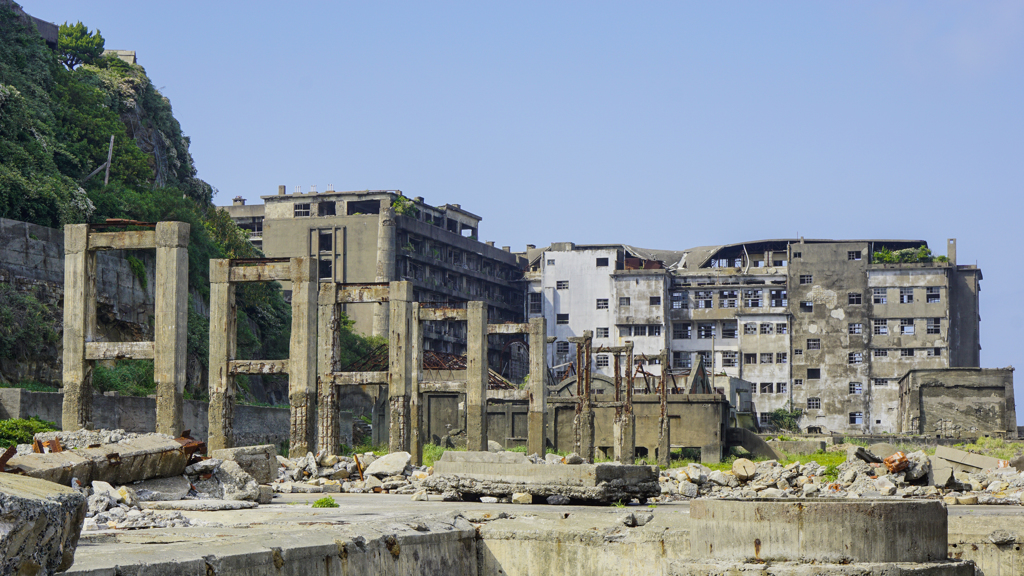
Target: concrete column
[[587, 427], [302, 357], [538, 390], [624, 426], [386, 240], [415, 367], [399, 369], [476, 376], [327, 353], [171, 323], [79, 326], [223, 340], [664, 434]]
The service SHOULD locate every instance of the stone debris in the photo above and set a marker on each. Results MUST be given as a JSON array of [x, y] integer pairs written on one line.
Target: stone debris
[[42, 523], [86, 438], [388, 474]]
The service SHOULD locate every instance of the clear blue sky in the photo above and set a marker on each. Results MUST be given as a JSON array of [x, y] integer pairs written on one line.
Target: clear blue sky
[[663, 125]]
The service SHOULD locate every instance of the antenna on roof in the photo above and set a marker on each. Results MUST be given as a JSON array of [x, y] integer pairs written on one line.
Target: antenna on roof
[[330, 188], [298, 189], [312, 188]]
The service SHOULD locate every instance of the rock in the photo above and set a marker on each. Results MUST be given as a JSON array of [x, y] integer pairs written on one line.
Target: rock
[[744, 469], [100, 487], [522, 498], [997, 486], [260, 462], [451, 496], [371, 483], [128, 495], [627, 520], [160, 489], [98, 503], [967, 500], [266, 494], [305, 489], [885, 487], [1000, 537], [419, 496], [286, 463], [574, 458], [809, 489], [882, 450], [390, 465], [493, 446], [333, 488], [41, 526], [695, 473], [208, 505], [642, 518], [688, 489], [919, 467], [552, 458], [488, 500], [861, 453], [208, 466], [771, 493], [237, 483], [848, 477], [420, 475], [718, 478], [329, 461], [558, 500]]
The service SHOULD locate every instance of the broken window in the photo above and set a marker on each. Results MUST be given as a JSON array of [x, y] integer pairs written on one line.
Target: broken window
[[814, 343], [324, 269], [855, 357], [551, 262], [807, 306], [602, 360], [780, 387], [880, 326], [856, 417], [806, 278], [602, 262], [368, 207], [705, 356], [906, 295], [655, 300], [729, 359], [681, 359], [750, 358], [934, 325], [640, 330], [729, 330], [324, 240], [679, 301], [705, 330], [855, 328], [727, 299], [752, 298], [750, 328], [878, 295], [853, 298], [813, 373], [907, 326], [931, 295], [880, 352], [562, 349], [654, 330], [602, 303], [704, 299], [778, 298], [798, 382], [624, 301], [324, 208], [601, 332], [814, 403], [766, 357], [781, 328], [767, 328], [856, 388], [853, 255], [561, 319], [562, 285], [880, 381], [766, 388], [535, 302], [781, 358], [933, 352], [301, 209], [906, 352], [681, 331]]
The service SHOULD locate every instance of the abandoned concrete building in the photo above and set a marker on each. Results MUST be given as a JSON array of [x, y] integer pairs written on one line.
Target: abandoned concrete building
[[958, 402], [812, 324], [357, 238]]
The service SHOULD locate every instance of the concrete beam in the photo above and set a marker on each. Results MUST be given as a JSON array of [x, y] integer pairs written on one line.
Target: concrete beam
[[508, 328], [357, 378], [257, 367], [302, 381], [119, 350], [443, 314], [476, 376], [170, 324], [124, 240], [348, 294], [443, 386], [263, 272]]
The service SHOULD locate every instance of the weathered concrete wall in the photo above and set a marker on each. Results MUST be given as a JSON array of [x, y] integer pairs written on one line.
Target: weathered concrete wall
[[958, 402], [253, 424]]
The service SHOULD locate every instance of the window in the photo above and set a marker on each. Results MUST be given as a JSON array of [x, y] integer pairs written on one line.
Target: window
[[798, 382], [729, 330], [729, 359], [302, 209], [653, 361], [814, 344], [778, 263], [933, 352], [880, 326], [750, 328], [806, 278], [681, 331], [602, 262], [779, 298], [561, 319], [324, 208], [766, 357], [679, 301], [855, 328], [727, 299], [602, 303], [624, 301], [906, 295], [705, 330], [814, 403], [535, 302], [655, 300], [780, 387], [856, 417], [856, 388], [880, 381], [562, 348], [602, 360], [855, 357], [705, 357], [781, 328], [752, 298], [853, 298], [654, 330], [798, 255], [798, 351], [703, 298], [931, 295], [562, 285], [764, 418], [640, 330], [624, 332], [681, 359], [813, 373], [601, 332], [906, 352], [750, 358], [766, 388], [325, 240], [767, 328], [807, 306], [551, 262], [933, 325], [781, 358], [907, 326], [878, 295], [879, 352], [853, 255]]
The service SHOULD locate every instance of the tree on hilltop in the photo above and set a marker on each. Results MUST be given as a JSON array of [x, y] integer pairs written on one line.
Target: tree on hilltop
[[76, 45]]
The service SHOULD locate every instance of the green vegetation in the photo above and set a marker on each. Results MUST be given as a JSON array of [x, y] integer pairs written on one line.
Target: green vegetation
[[786, 419], [127, 378], [21, 431], [31, 386], [26, 324], [76, 45], [366, 446], [138, 269], [906, 255], [403, 206], [993, 447], [325, 502]]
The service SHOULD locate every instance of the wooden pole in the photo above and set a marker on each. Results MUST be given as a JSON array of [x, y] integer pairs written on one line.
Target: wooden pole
[[110, 155]]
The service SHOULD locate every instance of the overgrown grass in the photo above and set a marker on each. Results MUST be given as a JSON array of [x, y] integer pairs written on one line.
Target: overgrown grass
[[378, 450], [127, 378], [993, 447], [30, 385], [21, 431]]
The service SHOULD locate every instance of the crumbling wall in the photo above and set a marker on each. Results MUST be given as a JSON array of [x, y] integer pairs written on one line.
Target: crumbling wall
[[958, 403]]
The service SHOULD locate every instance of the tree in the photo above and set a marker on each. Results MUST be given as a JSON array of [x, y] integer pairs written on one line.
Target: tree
[[76, 45]]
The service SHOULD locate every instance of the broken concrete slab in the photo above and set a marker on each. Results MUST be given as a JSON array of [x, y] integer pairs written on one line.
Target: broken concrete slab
[[162, 489], [859, 452], [205, 505], [260, 462], [40, 522], [392, 464], [237, 484], [965, 461], [142, 458]]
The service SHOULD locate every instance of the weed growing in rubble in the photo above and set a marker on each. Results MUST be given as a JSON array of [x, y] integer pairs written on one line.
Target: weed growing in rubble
[[619, 504], [992, 447], [325, 502]]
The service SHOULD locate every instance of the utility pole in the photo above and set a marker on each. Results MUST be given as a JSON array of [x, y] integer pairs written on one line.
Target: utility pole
[[110, 155]]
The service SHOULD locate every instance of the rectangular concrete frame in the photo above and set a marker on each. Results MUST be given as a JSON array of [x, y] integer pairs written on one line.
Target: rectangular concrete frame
[[168, 351], [301, 363]]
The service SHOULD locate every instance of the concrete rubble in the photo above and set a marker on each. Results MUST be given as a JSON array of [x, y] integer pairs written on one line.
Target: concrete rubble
[[40, 523]]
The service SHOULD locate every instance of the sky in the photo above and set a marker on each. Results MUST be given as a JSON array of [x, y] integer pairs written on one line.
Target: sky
[[657, 124]]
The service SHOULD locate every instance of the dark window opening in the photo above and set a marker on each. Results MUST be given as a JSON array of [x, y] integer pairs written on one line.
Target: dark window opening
[[326, 208], [325, 269], [364, 207], [325, 241], [602, 261], [814, 373]]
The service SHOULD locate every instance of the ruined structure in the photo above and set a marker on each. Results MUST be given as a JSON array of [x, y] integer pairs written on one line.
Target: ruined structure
[[958, 403]]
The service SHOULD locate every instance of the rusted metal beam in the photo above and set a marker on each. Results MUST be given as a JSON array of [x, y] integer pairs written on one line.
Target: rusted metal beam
[[509, 328], [443, 314], [119, 350], [257, 367], [358, 378], [260, 272]]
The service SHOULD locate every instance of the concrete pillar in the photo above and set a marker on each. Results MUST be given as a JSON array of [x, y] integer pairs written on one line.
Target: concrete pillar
[[476, 376], [624, 426], [223, 340], [399, 369], [302, 357], [415, 367], [79, 326], [583, 424], [171, 322], [386, 240], [328, 431], [664, 434], [538, 390]]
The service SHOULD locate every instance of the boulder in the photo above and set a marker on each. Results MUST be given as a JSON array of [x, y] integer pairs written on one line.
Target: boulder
[[558, 500], [260, 462], [688, 489], [552, 458], [419, 496], [161, 489], [493, 446], [128, 496], [371, 483], [237, 483], [744, 469], [522, 498], [208, 466], [720, 478], [105, 489], [41, 524], [574, 458], [266, 494], [391, 465]]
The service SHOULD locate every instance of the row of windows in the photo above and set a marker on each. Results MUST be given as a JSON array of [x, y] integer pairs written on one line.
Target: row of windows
[[766, 358], [705, 330], [752, 298], [855, 417], [599, 262]]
